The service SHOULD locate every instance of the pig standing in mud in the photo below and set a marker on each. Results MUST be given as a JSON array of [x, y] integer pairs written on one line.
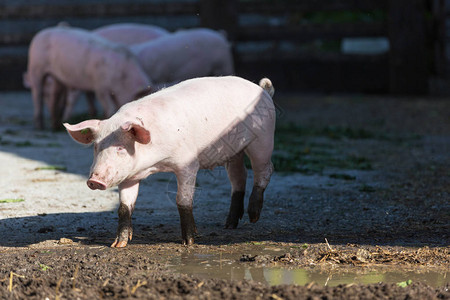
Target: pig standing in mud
[[197, 124], [82, 60], [185, 54]]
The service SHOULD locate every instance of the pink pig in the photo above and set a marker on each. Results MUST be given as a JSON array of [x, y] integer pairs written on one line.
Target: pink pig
[[197, 124], [125, 34], [82, 60], [60, 99], [130, 33], [185, 54]]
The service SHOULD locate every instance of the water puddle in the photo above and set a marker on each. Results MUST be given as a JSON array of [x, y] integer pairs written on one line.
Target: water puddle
[[227, 266]]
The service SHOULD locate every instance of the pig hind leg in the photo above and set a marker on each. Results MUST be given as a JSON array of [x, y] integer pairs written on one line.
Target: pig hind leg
[[237, 175], [38, 101], [262, 171]]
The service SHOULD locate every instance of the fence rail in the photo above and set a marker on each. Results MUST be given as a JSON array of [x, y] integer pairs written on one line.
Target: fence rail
[[268, 25]]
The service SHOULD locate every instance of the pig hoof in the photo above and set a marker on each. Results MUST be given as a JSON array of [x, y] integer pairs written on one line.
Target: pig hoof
[[231, 224], [255, 204], [254, 213], [122, 240], [233, 220], [119, 244], [188, 241]]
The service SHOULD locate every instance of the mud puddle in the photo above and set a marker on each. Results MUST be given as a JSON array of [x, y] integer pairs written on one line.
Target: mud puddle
[[232, 266]]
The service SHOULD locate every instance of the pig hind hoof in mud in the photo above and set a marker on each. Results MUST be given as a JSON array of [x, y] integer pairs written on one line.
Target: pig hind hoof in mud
[[197, 124]]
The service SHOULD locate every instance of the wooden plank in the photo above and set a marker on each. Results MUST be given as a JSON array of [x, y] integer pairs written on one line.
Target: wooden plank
[[20, 32], [308, 32], [312, 56], [47, 9], [52, 8], [220, 15], [289, 6], [408, 54], [369, 76]]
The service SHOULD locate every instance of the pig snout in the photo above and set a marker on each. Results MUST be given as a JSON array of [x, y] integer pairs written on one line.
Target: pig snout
[[94, 183]]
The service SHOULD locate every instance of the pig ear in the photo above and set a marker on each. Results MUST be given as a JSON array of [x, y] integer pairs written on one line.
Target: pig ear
[[83, 132], [139, 133]]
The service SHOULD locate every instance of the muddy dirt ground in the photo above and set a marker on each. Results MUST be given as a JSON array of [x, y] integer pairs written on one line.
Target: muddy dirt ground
[[362, 183]]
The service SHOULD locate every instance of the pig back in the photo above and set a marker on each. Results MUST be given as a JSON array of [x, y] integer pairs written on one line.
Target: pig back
[[210, 119], [130, 33], [183, 55]]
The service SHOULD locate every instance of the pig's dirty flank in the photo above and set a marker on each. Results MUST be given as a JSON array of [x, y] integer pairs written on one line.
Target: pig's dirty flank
[[387, 226]]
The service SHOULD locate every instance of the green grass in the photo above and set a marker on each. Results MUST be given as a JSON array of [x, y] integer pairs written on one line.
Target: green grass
[[44, 267], [339, 17], [312, 150], [10, 132], [23, 144], [56, 168], [342, 176], [404, 284], [367, 188], [12, 200]]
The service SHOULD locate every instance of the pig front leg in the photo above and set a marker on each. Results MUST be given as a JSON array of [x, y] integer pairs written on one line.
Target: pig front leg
[[237, 174], [57, 105], [90, 98], [107, 102], [128, 192], [72, 96], [185, 194]]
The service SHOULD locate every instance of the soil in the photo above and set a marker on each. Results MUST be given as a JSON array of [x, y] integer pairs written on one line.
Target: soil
[[362, 183]]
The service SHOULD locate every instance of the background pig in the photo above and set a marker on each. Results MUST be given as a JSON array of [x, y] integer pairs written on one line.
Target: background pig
[[197, 124], [85, 61], [130, 33], [185, 54], [125, 34]]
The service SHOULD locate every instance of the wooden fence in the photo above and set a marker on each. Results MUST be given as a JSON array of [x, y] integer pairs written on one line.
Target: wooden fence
[[295, 43]]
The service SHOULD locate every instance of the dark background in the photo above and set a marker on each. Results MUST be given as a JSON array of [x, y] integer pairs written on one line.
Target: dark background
[[298, 44]]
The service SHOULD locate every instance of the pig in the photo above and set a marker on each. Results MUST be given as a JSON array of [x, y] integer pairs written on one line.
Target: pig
[[130, 33], [185, 54], [60, 99], [82, 60], [125, 34], [197, 124]]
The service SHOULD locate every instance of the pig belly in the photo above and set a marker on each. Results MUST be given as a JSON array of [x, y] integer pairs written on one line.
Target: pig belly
[[228, 144]]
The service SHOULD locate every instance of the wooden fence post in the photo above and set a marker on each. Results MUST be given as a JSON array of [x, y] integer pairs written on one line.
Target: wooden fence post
[[220, 15], [408, 61]]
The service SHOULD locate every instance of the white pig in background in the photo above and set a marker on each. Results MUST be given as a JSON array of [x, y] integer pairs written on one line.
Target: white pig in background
[[82, 60], [123, 33], [185, 54], [130, 33], [197, 124]]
